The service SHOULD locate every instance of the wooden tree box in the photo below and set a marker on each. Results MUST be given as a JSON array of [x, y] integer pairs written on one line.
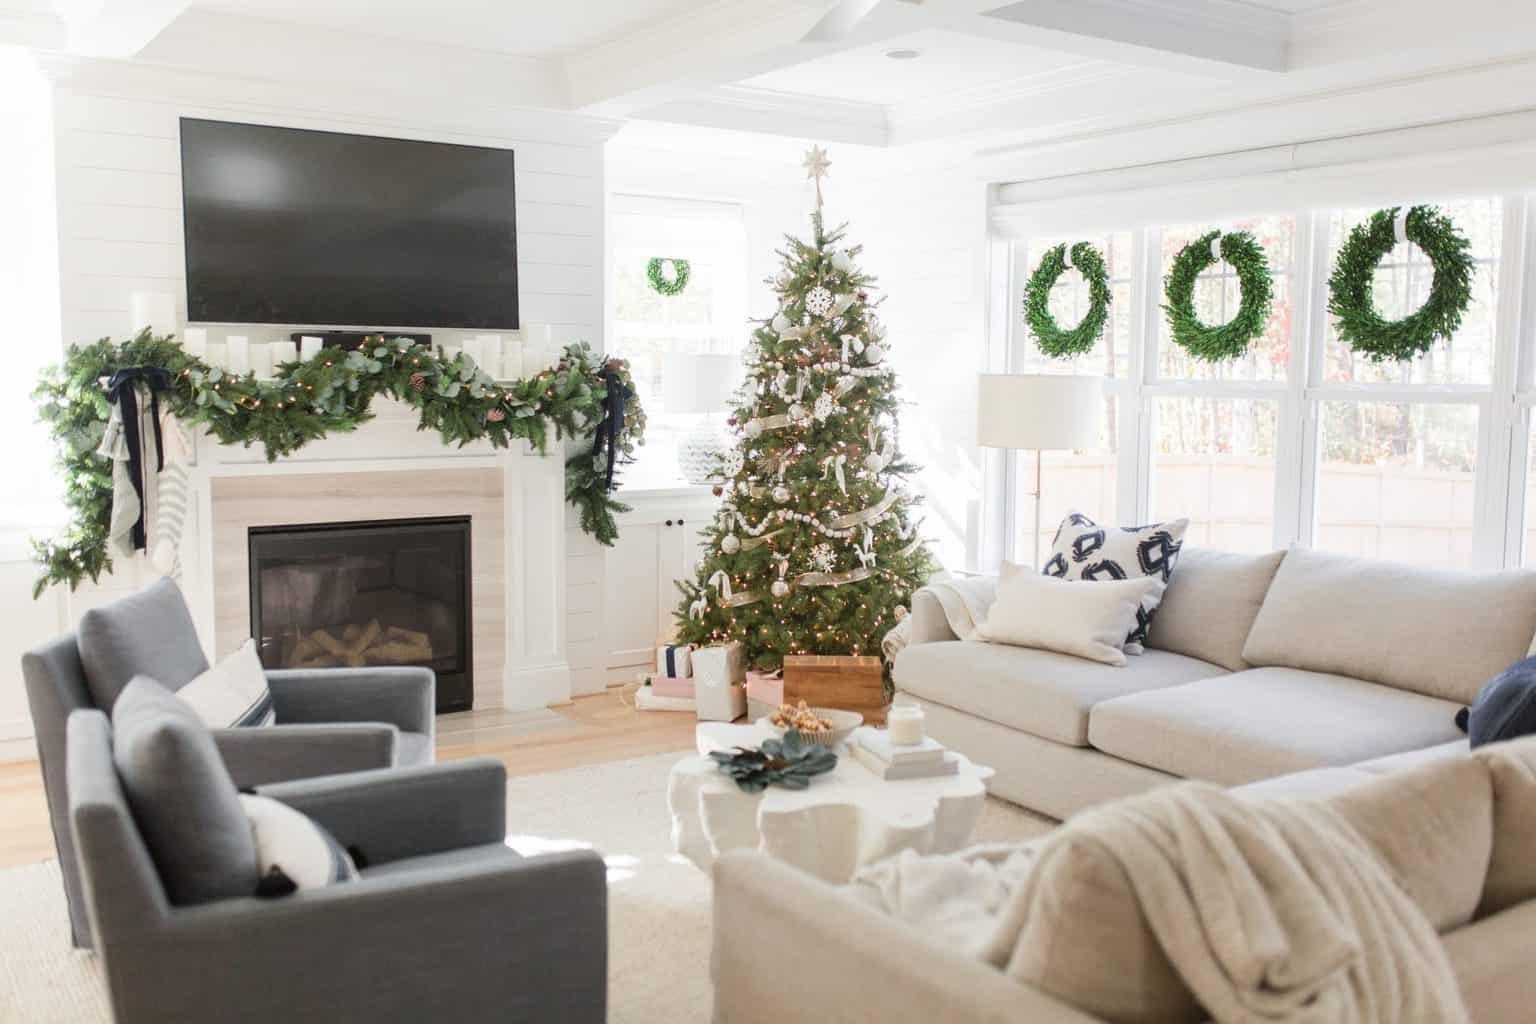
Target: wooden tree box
[[832, 681]]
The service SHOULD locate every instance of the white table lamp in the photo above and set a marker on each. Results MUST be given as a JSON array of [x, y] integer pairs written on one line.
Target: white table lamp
[[700, 384], [1045, 412]]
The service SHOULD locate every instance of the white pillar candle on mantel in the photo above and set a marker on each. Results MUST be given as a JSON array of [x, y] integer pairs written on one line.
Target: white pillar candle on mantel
[[237, 354], [539, 351], [218, 355], [194, 341], [450, 350], [512, 362], [309, 347], [282, 352], [906, 724], [490, 354], [261, 361], [155, 310], [470, 346]]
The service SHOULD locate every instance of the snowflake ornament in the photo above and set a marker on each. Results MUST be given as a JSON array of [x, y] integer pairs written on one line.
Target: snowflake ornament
[[823, 556], [733, 462], [824, 406], [818, 301]]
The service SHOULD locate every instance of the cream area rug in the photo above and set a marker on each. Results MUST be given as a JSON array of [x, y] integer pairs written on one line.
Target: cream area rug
[[659, 913]]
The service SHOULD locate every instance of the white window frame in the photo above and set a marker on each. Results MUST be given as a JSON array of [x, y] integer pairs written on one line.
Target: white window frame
[[1505, 405]]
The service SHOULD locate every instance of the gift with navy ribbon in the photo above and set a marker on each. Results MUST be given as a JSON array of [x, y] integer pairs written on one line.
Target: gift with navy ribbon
[[674, 661], [123, 389]]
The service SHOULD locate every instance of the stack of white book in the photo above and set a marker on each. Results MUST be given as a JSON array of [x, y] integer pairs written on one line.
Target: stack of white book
[[873, 749]]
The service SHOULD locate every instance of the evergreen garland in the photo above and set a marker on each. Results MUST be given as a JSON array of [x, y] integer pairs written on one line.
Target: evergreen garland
[[1231, 339], [1350, 285], [329, 393], [659, 283], [1053, 340]]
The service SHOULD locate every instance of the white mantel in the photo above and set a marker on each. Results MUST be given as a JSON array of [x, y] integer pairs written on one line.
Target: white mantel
[[529, 526]]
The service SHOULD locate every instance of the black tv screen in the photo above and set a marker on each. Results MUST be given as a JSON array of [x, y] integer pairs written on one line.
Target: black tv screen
[[287, 226]]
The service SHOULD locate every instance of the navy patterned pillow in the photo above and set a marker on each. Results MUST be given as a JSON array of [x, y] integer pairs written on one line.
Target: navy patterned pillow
[[1084, 550]]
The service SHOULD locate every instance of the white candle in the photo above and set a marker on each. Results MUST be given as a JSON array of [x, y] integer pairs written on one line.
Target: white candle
[[451, 349], [155, 310], [309, 347], [512, 363], [218, 354], [906, 724], [194, 340], [237, 352], [261, 361], [490, 354], [471, 347], [283, 352]]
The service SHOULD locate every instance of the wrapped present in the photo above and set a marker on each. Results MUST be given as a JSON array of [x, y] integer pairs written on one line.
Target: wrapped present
[[672, 687], [765, 688], [845, 682], [674, 661], [719, 675]]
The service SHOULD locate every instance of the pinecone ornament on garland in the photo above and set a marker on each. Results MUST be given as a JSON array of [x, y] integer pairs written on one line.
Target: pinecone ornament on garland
[[496, 415], [418, 382]]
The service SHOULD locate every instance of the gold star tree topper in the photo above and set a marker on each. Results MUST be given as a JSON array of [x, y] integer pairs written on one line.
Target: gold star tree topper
[[816, 167]]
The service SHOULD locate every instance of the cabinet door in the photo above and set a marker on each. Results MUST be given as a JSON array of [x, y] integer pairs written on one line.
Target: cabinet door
[[632, 605]]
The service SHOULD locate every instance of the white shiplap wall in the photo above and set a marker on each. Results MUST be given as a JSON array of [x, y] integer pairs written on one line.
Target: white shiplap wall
[[120, 229]]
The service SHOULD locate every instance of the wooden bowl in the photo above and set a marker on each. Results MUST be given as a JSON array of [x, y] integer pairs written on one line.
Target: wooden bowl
[[843, 724]]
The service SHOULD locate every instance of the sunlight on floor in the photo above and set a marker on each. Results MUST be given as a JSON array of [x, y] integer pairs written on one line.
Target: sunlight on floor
[[621, 867]]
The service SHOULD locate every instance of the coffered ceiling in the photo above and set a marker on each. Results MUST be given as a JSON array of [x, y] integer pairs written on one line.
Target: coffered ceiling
[[976, 74]]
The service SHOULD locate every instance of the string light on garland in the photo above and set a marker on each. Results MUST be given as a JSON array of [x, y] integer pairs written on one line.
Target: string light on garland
[[1350, 297], [1053, 339], [1229, 340], [667, 276]]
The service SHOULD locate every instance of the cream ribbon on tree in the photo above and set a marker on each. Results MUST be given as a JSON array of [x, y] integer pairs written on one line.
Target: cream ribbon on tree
[[833, 579], [851, 346], [917, 542], [757, 542], [835, 464], [881, 451], [722, 584], [868, 515], [1400, 224]]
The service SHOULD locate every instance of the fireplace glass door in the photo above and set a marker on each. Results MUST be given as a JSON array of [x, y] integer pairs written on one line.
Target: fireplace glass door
[[360, 595]]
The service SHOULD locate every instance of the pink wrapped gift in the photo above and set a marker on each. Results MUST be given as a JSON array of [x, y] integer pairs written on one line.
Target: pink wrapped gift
[[765, 688], [663, 687]]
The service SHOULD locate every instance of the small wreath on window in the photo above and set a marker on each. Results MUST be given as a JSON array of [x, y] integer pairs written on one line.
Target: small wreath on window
[[1054, 340], [667, 277], [1231, 339], [1350, 285]]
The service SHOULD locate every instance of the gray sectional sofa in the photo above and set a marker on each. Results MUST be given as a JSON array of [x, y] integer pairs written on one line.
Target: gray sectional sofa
[[1257, 666]]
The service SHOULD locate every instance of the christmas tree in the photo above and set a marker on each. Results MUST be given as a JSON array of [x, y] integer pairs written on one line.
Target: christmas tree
[[815, 549]]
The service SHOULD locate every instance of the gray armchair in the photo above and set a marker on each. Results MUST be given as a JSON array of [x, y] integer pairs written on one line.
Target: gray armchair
[[328, 720], [445, 923]]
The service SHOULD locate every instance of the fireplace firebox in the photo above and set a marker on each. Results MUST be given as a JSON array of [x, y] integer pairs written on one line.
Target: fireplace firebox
[[381, 592]]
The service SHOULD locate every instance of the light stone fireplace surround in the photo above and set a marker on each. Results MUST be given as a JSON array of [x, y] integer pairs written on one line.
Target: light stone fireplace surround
[[389, 470]]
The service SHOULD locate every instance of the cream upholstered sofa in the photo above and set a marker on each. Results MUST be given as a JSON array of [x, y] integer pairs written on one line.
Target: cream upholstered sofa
[[1256, 666]]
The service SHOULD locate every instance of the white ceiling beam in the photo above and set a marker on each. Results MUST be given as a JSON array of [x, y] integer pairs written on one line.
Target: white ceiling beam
[[31, 28], [115, 28], [1203, 37]]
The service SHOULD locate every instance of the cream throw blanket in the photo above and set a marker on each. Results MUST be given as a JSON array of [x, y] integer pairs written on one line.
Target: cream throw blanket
[[1269, 911]]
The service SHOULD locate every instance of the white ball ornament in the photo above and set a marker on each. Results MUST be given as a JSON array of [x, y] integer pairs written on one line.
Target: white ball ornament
[[797, 412], [780, 323], [874, 353], [781, 494], [753, 428], [873, 462], [901, 612], [730, 543], [779, 588], [818, 301], [841, 260]]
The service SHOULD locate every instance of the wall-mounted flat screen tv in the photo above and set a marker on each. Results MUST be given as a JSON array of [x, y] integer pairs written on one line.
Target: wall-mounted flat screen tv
[[288, 226]]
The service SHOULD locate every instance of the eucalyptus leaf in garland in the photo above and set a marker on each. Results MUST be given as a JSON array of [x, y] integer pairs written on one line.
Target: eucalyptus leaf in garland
[[1053, 339], [656, 273], [329, 393], [1350, 297], [1231, 339]]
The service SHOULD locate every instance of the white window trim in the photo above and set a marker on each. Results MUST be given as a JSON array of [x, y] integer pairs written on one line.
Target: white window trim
[[1504, 406]]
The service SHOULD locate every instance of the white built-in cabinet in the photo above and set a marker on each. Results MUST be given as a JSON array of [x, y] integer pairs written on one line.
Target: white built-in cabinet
[[658, 544]]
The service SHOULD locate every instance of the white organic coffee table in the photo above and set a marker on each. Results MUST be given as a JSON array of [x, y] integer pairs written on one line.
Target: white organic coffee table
[[846, 819]]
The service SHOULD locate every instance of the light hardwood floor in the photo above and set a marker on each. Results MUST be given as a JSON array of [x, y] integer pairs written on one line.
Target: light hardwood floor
[[590, 730]]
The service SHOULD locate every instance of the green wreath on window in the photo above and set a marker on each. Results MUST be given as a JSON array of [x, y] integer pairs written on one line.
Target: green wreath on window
[[656, 273], [1350, 285], [1231, 339], [1054, 340]]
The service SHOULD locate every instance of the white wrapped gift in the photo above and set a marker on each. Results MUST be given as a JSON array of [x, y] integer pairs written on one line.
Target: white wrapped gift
[[674, 661], [719, 682]]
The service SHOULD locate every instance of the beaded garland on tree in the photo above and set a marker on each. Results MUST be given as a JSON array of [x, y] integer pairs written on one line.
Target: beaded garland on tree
[[331, 393]]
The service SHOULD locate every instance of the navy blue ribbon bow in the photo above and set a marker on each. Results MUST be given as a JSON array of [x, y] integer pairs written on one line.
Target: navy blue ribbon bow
[[121, 389], [618, 396]]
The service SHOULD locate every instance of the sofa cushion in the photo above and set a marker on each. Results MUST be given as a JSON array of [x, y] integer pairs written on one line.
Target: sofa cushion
[[1087, 941], [1512, 866], [1077, 617], [1039, 692], [149, 633], [1442, 634], [1251, 725], [1084, 550], [1414, 758], [181, 795], [1210, 604]]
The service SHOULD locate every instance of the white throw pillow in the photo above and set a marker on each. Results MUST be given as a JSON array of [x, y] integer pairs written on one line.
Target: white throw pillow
[[292, 850], [1088, 619], [233, 692], [1084, 550]]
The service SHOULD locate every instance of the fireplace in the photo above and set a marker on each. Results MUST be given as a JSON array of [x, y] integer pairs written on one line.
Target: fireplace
[[363, 594]]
